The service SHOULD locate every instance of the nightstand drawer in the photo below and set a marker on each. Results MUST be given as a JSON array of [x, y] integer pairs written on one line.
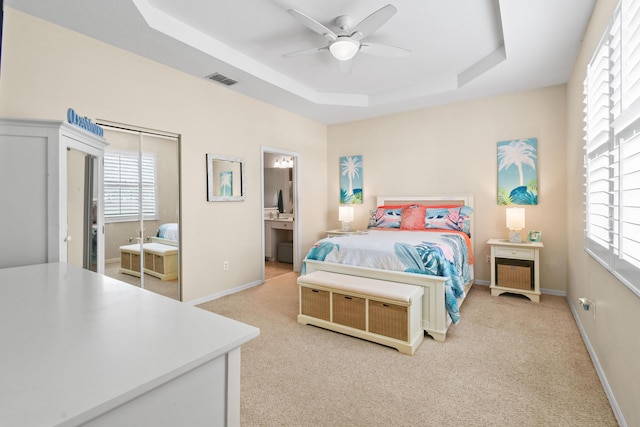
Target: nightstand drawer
[[518, 253]]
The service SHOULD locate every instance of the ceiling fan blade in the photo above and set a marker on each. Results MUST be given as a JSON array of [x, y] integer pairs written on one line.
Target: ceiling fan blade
[[374, 21], [313, 25], [305, 51], [384, 50], [345, 67]]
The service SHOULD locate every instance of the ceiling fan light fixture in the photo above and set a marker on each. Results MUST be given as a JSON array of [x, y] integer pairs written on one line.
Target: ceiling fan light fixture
[[344, 48]]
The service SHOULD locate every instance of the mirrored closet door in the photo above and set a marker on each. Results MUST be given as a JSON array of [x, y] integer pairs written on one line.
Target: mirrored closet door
[[142, 209], [82, 210]]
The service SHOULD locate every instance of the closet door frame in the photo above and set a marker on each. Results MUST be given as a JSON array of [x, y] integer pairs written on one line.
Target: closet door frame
[[141, 132], [84, 142]]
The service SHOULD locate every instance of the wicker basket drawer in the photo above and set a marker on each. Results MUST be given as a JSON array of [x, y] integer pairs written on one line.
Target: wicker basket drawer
[[158, 263], [389, 320], [315, 303], [130, 261], [349, 311], [148, 260], [513, 276]]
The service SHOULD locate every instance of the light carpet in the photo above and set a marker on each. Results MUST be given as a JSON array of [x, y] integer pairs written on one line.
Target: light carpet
[[508, 362]]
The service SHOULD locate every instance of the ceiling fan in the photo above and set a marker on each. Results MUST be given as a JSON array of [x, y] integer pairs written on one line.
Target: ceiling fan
[[345, 44]]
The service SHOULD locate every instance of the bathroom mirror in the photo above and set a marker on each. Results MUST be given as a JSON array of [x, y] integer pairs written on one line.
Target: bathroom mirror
[[225, 179]]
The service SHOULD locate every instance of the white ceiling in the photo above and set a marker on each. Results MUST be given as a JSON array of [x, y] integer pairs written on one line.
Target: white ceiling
[[460, 49]]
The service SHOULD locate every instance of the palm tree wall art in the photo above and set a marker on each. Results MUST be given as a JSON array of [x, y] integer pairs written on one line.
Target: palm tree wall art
[[517, 172], [351, 180]]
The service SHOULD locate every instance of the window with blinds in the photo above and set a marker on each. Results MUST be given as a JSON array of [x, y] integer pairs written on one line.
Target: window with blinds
[[128, 188], [612, 147]]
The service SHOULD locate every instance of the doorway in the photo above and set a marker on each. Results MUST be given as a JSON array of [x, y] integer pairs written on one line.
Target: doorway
[[142, 208], [281, 222]]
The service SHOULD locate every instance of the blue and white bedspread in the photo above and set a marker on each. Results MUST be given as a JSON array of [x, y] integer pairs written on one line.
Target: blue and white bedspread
[[169, 231], [443, 254]]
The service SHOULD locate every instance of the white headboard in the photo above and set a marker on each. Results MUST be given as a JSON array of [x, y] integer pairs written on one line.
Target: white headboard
[[434, 199]]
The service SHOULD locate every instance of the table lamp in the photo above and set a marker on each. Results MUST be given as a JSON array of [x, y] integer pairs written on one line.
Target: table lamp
[[515, 223], [345, 215]]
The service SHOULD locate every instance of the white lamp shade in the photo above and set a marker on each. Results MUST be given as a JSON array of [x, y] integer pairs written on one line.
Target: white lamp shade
[[344, 48], [345, 213], [515, 218]]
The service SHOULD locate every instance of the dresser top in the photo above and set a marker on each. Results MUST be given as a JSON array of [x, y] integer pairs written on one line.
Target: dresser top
[[76, 344]]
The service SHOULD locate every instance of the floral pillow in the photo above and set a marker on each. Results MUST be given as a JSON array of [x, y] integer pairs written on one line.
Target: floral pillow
[[413, 217], [385, 217], [458, 218]]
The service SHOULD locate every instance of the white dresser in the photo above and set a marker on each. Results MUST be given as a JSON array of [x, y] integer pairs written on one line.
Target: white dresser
[[79, 347]]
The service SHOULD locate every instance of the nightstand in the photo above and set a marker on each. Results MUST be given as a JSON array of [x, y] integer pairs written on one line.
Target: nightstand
[[338, 232], [515, 268]]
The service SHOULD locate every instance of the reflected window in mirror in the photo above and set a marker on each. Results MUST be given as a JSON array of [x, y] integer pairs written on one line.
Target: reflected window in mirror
[[225, 178]]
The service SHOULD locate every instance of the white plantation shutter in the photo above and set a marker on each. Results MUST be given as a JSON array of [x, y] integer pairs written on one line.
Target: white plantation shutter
[[630, 41], [612, 147], [615, 35], [599, 184], [628, 248], [124, 197]]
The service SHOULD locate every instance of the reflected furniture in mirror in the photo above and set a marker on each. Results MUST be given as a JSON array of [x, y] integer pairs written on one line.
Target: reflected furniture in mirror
[[142, 208], [225, 179], [160, 255]]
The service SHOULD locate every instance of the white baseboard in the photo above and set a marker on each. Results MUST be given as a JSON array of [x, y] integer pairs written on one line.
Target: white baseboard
[[224, 293], [603, 379], [554, 292]]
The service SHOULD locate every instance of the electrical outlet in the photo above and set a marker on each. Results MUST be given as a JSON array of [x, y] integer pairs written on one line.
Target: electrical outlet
[[488, 259], [225, 265]]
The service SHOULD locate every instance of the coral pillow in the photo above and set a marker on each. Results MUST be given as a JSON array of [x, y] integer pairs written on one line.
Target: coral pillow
[[413, 217]]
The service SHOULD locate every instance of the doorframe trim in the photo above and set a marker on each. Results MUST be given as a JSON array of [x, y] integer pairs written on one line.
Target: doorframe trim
[[297, 260]]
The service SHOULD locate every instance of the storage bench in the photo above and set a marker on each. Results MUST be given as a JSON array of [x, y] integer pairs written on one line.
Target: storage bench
[[381, 311], [160, 260]]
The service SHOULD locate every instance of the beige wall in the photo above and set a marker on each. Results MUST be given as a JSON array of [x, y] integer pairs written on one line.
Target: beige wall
[[47, 69], [453, 149], [611, 331]]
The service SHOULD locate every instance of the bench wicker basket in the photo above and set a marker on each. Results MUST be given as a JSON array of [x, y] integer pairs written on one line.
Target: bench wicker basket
[[349, 311], [373, 309], [315, 303], [388, 319]]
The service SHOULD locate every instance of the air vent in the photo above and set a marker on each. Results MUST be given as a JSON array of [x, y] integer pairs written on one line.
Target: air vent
[[217, 77]]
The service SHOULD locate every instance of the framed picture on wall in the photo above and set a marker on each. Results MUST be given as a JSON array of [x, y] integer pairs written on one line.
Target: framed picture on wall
[[351, 180], [518, 172], [225, 179]]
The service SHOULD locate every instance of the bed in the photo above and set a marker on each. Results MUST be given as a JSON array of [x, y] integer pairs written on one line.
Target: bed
[[167, 234], [419, 240]]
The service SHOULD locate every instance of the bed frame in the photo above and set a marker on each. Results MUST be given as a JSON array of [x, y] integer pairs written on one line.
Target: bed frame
[[435, 319]]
